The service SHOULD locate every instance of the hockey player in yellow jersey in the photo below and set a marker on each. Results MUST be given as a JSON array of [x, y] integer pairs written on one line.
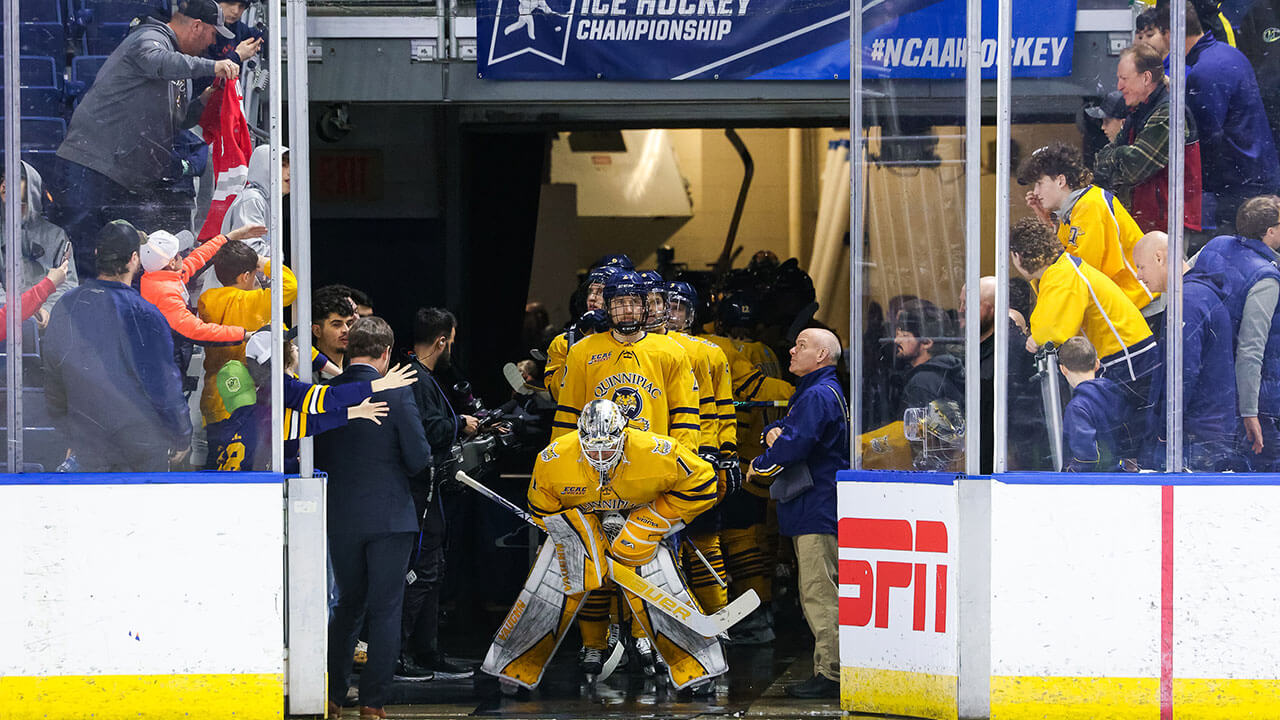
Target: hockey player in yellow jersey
[[719, 428], [607, 488], [650, 378], [648, 375], [749, 550], [591, 321]]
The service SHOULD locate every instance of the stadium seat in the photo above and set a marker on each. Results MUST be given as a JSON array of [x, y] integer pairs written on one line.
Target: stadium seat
[[84, 69], [35, 71], [41, 133], [43, 102], [40, 11], [102, 38], [44, 38]]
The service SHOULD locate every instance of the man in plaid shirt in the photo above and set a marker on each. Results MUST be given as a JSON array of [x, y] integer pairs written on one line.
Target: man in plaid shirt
[[1135, 164]]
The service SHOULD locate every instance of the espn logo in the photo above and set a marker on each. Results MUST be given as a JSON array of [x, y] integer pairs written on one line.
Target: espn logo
[[877, 579]]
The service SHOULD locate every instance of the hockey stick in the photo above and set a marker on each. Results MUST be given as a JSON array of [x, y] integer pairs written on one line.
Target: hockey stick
[[611, 663], [706, 563], [517, 382], [761, 403], [704, 625]]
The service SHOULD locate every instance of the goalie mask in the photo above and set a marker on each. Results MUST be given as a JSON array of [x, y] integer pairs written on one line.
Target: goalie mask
[[939, 429], [602, 431], [626, 297]]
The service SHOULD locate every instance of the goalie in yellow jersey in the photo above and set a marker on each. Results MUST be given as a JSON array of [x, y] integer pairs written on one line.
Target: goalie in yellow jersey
[[608, 490]]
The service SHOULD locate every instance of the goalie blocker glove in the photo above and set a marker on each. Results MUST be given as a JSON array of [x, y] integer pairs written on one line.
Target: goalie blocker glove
[[637, 543]]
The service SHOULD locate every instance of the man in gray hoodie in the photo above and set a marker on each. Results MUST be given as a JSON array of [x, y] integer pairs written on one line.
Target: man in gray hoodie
[[120, 146], [43, 243]]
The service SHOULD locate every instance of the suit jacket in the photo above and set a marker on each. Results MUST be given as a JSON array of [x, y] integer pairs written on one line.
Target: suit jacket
[[369, 465]]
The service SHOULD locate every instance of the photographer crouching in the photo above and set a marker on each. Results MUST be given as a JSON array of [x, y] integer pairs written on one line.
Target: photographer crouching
[[434, 331]]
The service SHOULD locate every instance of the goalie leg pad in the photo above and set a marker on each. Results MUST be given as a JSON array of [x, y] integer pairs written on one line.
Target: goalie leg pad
[[580, 546], [690, 657], [535, 626]]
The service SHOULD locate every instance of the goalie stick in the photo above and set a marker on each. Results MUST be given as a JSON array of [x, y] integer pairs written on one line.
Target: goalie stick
[[704, 625]]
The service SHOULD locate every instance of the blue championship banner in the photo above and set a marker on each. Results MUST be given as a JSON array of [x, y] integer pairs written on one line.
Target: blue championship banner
[[757, 39]]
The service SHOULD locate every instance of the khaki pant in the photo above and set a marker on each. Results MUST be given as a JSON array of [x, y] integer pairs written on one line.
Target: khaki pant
[[819, 598]]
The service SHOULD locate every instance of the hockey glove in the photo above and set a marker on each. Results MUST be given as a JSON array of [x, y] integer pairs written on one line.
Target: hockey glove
[[580, 550], [638, 542], [593, 321], [730, 471]]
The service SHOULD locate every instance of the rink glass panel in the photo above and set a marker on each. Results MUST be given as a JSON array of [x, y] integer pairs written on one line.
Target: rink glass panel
[[61, 56]]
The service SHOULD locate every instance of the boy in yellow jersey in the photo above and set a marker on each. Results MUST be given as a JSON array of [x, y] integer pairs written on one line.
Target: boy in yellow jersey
[[588, 323], [607, 488], [241, 301], [1074, 298], [1090, 222], [650, 378]]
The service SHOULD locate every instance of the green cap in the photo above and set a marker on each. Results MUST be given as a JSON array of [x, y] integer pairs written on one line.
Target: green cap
[[236, 386]]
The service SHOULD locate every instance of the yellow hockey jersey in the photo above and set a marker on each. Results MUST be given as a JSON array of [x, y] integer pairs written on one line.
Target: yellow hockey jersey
[[749, 382], [1075, 297], [709, 418], [652, 465], [1098, 230], [722, 380], [553, 375], [650, 379]]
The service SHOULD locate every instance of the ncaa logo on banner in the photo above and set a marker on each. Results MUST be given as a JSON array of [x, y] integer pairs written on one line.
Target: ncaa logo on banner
[[532, 27]]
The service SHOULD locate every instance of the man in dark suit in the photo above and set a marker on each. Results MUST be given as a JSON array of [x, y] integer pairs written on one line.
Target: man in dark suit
[[372, 523]]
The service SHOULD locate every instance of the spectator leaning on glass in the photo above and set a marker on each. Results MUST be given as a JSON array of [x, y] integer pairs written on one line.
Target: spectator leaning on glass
[[44, 245], [1248, 262], [804, 451], [119, 146], [113, 389], [1238, 154]]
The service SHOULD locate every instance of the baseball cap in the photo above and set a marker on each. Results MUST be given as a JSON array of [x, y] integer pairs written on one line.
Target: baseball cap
[[161, 247], [206, 11], [1112, 105], [235, 385], [119, 239]]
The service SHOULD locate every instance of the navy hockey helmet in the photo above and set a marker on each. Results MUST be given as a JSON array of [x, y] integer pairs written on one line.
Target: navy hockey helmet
[[657, 299], [618, 260], [593, 288], [626, 318], [736, 311], [682, 305]]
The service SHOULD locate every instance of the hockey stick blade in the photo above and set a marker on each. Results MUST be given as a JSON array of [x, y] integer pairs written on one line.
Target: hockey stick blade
[[516, 379], [611, 663], [705, 625]]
